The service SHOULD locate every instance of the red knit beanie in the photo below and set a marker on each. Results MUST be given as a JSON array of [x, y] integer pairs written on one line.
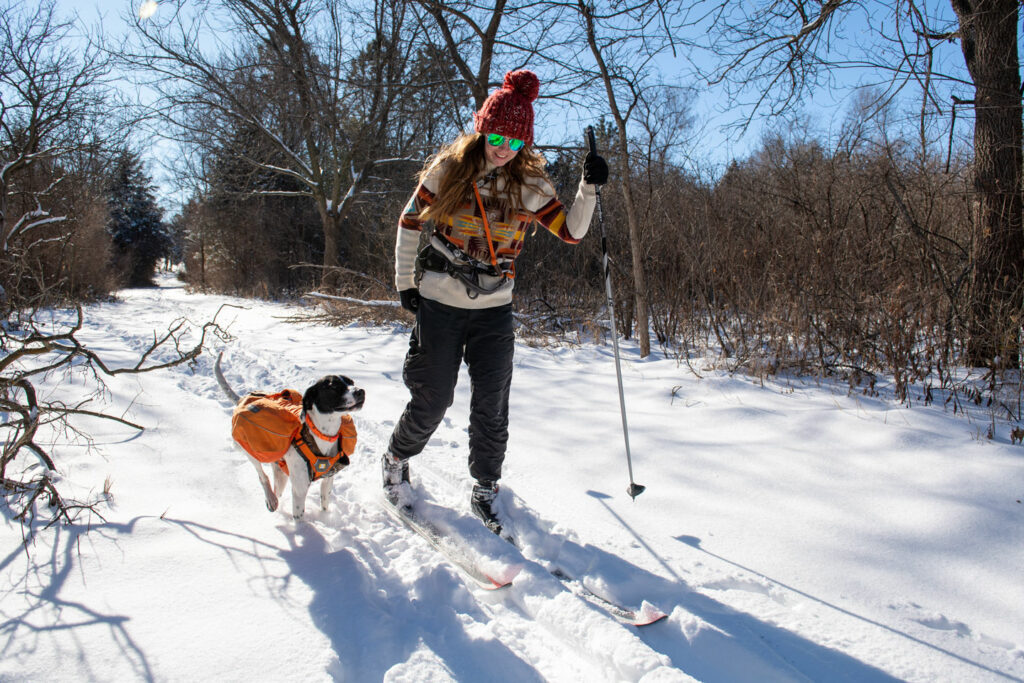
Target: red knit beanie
[[509, 109]]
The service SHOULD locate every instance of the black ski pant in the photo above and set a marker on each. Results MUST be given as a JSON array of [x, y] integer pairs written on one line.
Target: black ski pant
[[444, 336]]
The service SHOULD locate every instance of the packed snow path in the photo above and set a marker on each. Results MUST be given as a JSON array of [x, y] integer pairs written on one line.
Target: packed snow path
[[791, 531]]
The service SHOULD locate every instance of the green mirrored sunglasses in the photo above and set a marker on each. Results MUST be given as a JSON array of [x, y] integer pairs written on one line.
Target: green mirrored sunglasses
[[495, 140]]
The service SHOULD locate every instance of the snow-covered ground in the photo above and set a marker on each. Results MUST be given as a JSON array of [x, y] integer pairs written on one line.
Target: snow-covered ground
[[790, 530]]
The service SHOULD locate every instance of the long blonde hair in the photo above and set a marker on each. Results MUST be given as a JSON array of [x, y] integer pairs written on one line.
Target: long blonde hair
[[465, 161]]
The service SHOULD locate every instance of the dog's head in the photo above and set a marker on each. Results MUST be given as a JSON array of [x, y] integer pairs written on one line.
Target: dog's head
[[333, 394]]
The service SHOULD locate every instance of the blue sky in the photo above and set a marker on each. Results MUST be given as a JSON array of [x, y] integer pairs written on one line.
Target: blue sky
[[713, 142]]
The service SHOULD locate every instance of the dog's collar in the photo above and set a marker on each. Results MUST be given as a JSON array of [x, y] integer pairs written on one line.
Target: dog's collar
[[317, 433]]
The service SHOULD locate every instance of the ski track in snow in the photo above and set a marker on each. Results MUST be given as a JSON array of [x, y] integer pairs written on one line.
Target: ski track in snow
[[191, 578]]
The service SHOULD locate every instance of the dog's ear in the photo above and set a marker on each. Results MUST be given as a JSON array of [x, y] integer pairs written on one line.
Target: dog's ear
[[309, 398], [328, 393]]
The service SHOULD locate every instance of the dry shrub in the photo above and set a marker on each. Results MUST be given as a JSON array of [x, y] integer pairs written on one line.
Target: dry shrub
[[849, 260], [87, 256], [829, 262], [66, 261], [345, 312]]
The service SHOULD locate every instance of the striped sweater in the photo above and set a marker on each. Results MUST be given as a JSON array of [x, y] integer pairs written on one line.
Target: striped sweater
[[466, 230]]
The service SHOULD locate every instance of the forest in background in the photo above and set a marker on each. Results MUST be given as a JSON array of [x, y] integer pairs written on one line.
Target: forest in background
[[889, 246]]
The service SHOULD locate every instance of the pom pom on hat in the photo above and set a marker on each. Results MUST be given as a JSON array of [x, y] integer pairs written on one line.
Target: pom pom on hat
[[524, 83], [509, 109]]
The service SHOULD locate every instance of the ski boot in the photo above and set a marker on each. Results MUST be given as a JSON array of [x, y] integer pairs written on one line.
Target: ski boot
[[395, 473], [482, 504]]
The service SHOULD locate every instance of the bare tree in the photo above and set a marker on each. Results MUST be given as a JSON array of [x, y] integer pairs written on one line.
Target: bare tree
[[49, 92], [510, 33], [463, 34], [287, 75], [773, 53], [624, 40]]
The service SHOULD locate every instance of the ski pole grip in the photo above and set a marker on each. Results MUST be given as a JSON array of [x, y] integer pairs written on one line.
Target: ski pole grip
[[591, 141]]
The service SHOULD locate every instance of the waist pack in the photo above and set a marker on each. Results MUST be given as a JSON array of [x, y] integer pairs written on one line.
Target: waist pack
[[441, 256], [266, 425]]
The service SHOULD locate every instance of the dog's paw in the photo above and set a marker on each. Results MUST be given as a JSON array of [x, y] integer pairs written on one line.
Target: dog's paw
[[272, 503]]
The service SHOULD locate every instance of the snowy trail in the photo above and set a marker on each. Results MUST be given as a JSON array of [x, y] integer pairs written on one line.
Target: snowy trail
[[791, 532]]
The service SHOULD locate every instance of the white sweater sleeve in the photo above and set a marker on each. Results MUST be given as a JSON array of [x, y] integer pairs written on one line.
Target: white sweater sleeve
[[409, 229], [406, 247], [582, 211]]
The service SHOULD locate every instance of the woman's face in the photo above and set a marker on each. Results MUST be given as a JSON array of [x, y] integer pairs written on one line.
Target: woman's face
[[500, 155]]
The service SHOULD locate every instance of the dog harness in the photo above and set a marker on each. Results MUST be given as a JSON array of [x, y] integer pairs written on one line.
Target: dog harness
[[266, 425], [318, 464]]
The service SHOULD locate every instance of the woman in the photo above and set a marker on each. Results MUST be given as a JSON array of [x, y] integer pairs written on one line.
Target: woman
[[477, 197]]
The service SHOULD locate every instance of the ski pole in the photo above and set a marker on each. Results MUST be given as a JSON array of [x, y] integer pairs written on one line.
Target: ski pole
[[634, 489]]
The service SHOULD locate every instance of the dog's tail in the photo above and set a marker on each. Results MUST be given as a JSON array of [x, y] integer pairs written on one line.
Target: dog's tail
[[223, 382]]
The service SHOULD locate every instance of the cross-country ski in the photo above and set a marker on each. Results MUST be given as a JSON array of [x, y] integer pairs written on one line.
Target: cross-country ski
[[497, 577], [646, 615]]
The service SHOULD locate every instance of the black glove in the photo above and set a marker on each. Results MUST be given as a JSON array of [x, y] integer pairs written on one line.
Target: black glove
[[410, 299], [595, 170]]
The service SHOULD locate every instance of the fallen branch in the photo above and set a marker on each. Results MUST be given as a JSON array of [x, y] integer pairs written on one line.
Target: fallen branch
[[39, 353], [351, 300]]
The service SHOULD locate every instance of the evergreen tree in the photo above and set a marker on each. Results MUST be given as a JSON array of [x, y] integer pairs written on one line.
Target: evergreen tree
[[136, 222]]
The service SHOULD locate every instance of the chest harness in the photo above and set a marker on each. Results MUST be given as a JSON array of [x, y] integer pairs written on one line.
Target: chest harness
[[440, 255], [318, 464]]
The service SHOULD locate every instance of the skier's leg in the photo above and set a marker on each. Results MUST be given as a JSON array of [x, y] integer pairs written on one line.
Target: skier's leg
[[430, 372], [490, 345]]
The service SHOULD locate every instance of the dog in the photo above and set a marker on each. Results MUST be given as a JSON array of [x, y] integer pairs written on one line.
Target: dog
[[324, 406]]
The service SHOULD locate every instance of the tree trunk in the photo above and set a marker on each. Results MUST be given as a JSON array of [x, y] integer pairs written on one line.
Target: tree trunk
[[643, 331], [988, 32], [331, 223], [332, 215]]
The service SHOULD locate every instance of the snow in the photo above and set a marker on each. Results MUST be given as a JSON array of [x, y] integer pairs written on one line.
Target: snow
[[791, 530]]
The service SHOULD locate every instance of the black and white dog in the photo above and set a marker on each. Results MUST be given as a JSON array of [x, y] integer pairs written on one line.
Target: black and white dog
[[324, 406]]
